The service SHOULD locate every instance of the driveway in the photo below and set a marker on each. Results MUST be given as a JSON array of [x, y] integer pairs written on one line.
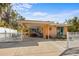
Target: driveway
[[33, 47]]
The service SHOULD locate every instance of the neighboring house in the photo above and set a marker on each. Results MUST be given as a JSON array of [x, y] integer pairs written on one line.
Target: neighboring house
[[45, 28]]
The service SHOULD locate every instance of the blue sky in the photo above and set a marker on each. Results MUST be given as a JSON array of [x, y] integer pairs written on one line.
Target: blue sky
[[57, 12]]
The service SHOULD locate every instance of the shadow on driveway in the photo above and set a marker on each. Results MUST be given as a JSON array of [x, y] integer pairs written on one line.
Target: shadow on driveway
[[17, 44]]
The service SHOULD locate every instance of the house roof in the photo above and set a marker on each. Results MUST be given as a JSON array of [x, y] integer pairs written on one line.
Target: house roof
[[41, 22], [34, 21]]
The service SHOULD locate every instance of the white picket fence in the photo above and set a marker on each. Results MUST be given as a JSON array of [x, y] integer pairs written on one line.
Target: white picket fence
[[72, 39]]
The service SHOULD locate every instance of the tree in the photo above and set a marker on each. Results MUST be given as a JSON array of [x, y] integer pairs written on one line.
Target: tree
[[4, 11], [74, 24], [8, 16], [4, 14]]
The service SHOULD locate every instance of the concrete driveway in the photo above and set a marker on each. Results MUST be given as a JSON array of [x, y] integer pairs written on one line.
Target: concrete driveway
[[33, 47]]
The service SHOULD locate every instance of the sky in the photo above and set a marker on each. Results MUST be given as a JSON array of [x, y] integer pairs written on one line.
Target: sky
[[57, 12]]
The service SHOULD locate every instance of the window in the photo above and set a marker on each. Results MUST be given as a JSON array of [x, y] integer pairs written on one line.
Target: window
[[33, 30]]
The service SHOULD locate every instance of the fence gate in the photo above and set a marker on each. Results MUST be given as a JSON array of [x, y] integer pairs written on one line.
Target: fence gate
[[72, 39]]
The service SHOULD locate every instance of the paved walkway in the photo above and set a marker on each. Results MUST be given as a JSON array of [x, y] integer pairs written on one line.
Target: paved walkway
[[33, 48]]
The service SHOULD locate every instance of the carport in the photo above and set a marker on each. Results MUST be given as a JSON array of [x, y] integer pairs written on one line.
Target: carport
[[43, 26]]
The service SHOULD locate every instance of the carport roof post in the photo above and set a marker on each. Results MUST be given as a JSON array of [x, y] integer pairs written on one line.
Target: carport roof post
[[46, 31]]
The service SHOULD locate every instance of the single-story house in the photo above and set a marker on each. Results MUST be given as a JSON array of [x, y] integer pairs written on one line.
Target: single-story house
[[46, 28]]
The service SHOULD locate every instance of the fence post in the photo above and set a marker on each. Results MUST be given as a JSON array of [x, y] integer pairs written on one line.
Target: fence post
[[5, 35], [21, 36], [68, 40]]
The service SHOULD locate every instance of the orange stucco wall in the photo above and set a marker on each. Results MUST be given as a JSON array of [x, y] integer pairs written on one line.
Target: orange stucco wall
[[53, 31], [45, 30], [65, 30], [48, 32]]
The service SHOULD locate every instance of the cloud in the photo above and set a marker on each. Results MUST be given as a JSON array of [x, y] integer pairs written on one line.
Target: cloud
[[61, 17], [39, 14], [64, 15], [67, 13], [22, 8], [23, 5], [27, 6]]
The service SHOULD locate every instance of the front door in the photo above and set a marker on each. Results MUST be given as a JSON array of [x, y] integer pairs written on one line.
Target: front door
[[60, 31]]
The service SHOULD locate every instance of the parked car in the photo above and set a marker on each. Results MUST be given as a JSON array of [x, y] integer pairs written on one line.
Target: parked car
[[36, 34]]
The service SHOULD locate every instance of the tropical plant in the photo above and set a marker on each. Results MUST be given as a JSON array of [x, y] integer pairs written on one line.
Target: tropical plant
[[74, 24]]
